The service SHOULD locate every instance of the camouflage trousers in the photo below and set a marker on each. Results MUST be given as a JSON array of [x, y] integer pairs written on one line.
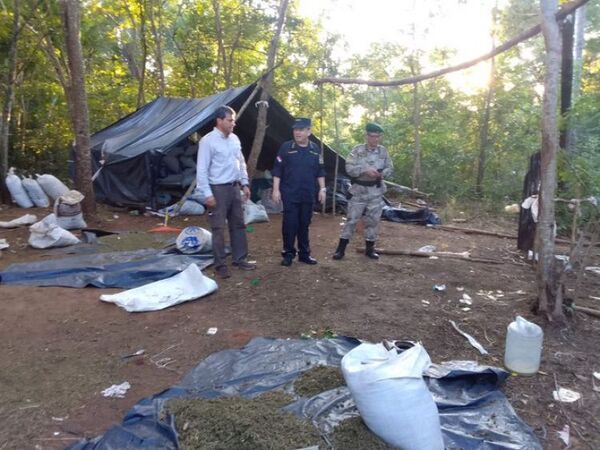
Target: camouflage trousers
[[371, 208]]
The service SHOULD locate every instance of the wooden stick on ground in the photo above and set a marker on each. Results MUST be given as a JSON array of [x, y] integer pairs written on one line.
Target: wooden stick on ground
[[464, 256], [590, 311]]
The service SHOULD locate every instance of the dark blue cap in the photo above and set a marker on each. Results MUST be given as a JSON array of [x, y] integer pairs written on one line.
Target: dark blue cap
[[301, 122]]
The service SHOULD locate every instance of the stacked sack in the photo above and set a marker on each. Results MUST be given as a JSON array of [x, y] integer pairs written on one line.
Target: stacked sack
[[31, 192]]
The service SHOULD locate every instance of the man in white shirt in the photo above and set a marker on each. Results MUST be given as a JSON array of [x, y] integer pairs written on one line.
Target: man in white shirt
[[220, 174]]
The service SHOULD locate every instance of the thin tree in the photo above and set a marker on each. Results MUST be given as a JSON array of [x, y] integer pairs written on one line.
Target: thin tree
[[156, 26], [71, 21], [261, 121], [9, 97], [546, 277]]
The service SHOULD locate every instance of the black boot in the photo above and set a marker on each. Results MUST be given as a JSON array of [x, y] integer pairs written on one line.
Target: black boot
[[370, 250], [340, 251]]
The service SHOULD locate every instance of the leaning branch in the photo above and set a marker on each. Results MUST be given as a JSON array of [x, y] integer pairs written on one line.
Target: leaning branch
[[561, 14]]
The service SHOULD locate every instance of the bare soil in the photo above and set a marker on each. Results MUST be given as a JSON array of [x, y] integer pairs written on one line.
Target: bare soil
[[61, 347]]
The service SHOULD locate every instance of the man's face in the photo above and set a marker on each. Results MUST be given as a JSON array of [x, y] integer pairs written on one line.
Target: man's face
[[301, 135], [226, 125], [373, 139]]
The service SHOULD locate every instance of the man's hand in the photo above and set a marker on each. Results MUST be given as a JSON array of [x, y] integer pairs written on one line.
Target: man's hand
[[276, 196], [373, 173], [210, 202], [322, 196], [246, 191]]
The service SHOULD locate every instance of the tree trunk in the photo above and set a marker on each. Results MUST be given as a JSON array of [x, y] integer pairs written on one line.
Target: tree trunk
[[484, 132], [71, 16], [261, 121], [141, 97], [546, 278], [580, 19], [221, 44], [416, 120], [156, 33], [9, 97], [566, 80]]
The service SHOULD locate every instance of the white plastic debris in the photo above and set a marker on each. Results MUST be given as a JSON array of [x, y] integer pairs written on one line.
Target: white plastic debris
[[117, 390], [466, 299], [471, 339], [27, 219], [427, 249], [594, 269], [212, 331], [512, 209], [3, 244], [439, 287], [425, 302], [187, 285], [597, 375], [564, 435], [566, 395]]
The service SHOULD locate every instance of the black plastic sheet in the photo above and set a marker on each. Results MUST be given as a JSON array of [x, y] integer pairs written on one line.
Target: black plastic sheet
[[423, 216], [474, 414], [104, 270]]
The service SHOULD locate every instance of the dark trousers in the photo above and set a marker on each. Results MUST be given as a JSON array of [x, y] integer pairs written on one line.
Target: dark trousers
[[229, 207], [296, 220]]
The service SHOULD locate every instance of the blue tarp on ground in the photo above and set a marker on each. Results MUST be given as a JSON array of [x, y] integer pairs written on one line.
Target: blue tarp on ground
[[104, 270], [474, 413]]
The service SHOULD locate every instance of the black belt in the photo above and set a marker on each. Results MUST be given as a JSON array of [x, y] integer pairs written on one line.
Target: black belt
[[233, 183], [367, 183]]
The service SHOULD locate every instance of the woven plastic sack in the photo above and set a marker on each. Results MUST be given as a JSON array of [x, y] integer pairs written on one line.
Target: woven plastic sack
[[194, 240], [17, 191], [67, 209], [36, 193], [52, 186], [46, 233], [254, 213], [392, 397]]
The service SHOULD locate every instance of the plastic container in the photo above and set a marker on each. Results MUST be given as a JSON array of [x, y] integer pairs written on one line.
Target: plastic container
[[523, 347]]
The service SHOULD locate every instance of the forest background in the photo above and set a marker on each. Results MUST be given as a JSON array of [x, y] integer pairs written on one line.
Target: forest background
[[458, 144]]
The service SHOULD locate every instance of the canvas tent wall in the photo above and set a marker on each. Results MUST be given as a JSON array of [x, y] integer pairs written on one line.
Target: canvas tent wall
[[133, 148]]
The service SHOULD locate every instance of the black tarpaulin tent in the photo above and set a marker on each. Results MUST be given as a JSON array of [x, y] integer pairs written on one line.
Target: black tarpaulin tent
[[136, 148]]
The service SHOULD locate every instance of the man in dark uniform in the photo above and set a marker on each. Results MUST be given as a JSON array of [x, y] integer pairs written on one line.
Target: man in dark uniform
[[299, 163]]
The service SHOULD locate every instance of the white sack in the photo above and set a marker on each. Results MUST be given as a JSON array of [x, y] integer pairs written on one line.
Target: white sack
[[254, 213], [52, 186], [36, 193], [46, 233], [391, 396], [17, 191], [27, 219], [187, 285], [270, 206], [194, 240], [67, 209]]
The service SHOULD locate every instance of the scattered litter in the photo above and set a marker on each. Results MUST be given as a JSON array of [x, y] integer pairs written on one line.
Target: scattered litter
[[427, 249], [425, 302], [460, 288], [512, 209], [60, 419], [56, 433], [466, 309], [434, 257], [564, 435], [439, 287], [115, 216], [593, 269], [563, 258], [594, 298], [566, 395], [466, 299], [131, 355], [597, 375], [250, 229], [3, 244], [117, 390], [212, 331], [471, 339], [27, 219], [256, 282]]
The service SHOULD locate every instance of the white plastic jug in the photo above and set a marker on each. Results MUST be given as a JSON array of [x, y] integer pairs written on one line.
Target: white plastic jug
[[523, 347]]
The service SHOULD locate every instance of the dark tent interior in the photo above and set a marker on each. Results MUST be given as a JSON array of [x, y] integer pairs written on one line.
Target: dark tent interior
[[149, 158]]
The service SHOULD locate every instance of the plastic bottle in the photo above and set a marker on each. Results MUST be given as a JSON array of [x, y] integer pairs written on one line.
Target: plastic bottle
[[523, 347]]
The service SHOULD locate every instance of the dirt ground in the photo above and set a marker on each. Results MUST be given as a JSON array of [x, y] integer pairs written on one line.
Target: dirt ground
[[61, 347]]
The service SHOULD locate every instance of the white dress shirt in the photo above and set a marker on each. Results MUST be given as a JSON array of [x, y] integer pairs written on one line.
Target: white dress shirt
[[220, 161]]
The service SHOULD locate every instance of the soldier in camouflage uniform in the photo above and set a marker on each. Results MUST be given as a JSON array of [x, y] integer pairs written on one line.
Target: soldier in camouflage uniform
[[368, 164]]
